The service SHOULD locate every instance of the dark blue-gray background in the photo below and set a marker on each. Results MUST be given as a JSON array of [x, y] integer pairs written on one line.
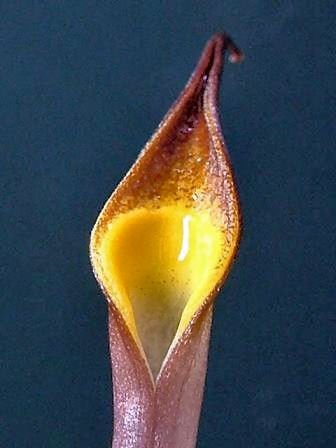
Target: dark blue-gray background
[[83, 86]]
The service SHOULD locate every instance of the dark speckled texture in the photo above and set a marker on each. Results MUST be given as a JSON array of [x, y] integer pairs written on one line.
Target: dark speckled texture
[[79, 96]]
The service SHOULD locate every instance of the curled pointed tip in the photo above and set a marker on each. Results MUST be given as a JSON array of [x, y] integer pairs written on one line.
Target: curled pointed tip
[[235, 54]]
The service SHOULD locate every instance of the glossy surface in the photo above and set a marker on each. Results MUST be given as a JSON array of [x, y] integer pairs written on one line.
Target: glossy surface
[[159, 264]]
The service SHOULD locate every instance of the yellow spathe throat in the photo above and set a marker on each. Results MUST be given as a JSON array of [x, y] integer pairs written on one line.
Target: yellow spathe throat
[[158, 266]]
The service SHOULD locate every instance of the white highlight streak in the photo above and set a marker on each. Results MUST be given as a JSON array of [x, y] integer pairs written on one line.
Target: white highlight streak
[[185, 238]]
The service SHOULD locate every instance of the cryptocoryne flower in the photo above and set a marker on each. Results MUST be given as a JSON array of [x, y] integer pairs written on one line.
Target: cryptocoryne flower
[[161, 249]]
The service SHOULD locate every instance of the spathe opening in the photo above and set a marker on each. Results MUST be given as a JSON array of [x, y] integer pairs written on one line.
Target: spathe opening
[[158, 265]]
